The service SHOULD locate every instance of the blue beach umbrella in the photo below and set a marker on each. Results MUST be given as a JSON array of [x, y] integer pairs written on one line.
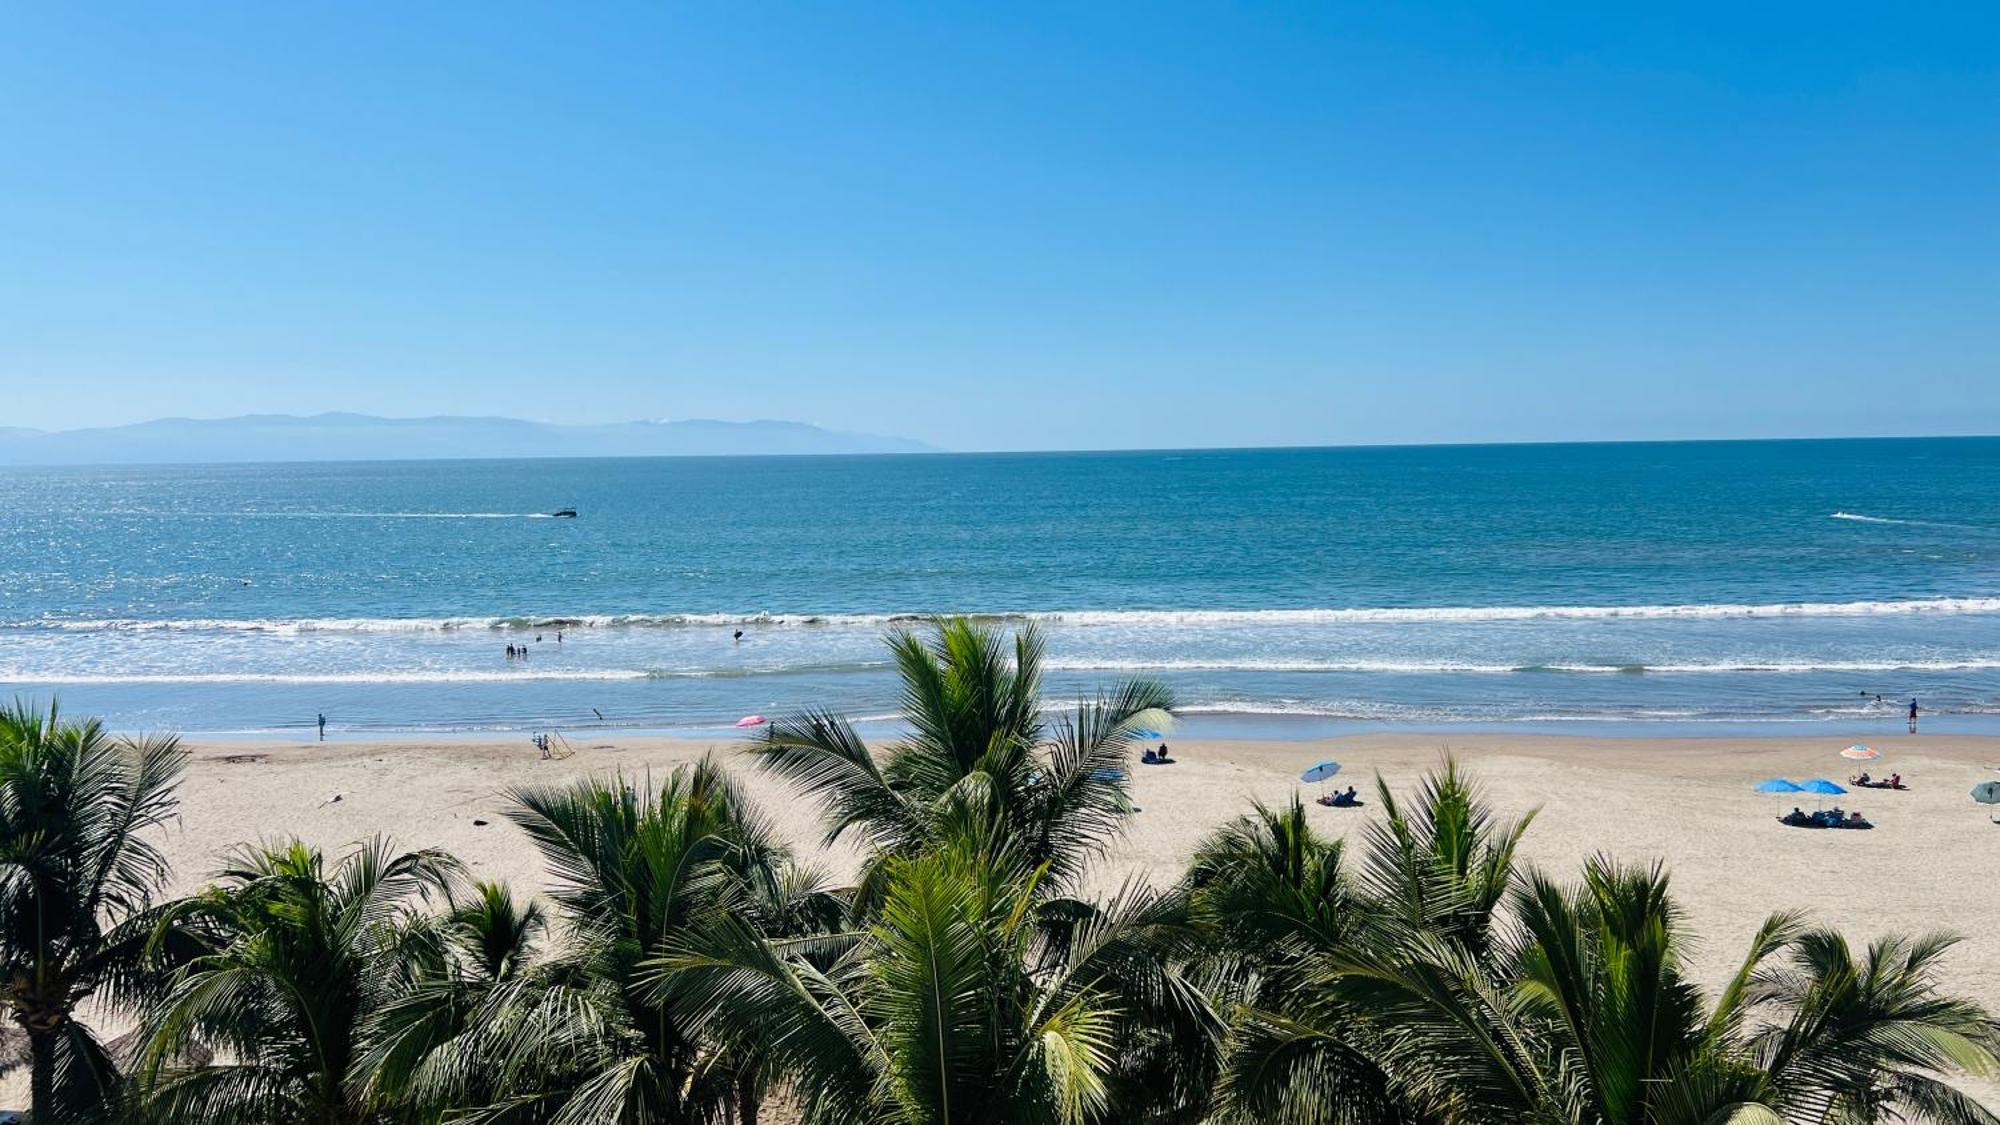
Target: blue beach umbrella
[[1147, 734], [1820, 785], [1107, 773], [1321, 771], [1779, 785]]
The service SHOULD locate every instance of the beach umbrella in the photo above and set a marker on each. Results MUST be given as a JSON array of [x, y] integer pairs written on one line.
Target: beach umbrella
[[1860, 753], [752, 721], [1778, 785], [1821, 786], [1987, 793], [1321, 771], [1147, 734], [1107, 773]]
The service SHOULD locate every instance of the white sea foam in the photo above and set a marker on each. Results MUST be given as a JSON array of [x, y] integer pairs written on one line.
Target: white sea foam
[[1942, 606], [1434, 667], [388, 676], [1856, 517]]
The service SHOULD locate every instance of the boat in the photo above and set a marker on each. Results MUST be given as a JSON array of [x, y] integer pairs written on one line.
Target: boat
[[564, 513]]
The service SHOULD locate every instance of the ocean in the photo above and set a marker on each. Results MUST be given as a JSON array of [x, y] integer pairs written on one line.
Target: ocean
[[1644, 586]]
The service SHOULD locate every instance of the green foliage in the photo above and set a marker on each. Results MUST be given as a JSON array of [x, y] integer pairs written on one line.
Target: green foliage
[[293, 962], [582, 1034], [76, 872], [980, 763], [684, 968]]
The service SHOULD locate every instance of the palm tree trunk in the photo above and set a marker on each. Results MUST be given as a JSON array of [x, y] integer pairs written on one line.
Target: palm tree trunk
[[42, 1075], [746, 1096]]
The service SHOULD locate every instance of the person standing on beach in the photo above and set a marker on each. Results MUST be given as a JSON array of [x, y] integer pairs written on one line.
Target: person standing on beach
[[322, 726], [1913, 714]]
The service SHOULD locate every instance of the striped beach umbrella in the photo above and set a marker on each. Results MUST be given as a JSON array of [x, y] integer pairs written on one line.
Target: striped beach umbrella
[[1860, 753]]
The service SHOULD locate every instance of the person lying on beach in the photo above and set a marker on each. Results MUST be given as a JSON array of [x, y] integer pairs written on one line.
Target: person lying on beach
[[1854, 820], [1346, 800], [1798, 819], [1893, 781]]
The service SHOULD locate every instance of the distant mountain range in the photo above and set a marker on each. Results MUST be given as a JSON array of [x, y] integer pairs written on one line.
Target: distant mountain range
[[362, 437]]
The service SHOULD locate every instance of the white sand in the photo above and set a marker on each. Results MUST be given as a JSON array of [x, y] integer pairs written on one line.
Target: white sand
[[1929, 864]]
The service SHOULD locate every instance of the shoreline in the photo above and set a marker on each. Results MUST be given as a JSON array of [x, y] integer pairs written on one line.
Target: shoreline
[[1235, 726]]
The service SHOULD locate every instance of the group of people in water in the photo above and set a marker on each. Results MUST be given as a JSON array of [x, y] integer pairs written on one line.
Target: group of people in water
[[520, 652]]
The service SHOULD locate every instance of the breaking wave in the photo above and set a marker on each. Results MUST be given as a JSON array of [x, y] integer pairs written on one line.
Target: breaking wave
[[1943, 606]]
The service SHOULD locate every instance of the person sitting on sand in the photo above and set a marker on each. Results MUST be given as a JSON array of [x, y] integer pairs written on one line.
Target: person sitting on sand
[[1856, 820], [1860, 778], [1895, 781], [1150, 758]]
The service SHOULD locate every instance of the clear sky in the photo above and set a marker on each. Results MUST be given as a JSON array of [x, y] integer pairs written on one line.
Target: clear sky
[[1011, 225]]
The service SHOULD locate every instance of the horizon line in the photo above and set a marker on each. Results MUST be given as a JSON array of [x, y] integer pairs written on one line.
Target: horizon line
[[939, 452]]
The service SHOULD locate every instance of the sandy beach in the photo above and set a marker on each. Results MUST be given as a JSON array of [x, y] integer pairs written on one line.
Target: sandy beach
[[1687, 802]]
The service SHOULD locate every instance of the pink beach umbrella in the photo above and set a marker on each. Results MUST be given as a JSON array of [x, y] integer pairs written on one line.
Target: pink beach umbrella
[[1860, 753], [752, 721]]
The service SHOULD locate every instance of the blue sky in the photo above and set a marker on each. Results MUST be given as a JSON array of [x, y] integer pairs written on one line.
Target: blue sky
[[1011, 226]]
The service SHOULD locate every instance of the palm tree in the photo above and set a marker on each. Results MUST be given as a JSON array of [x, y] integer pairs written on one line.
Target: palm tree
[[969, 998], [980, 761], [1288, 907], [1442, 864], [1581, 1013], [1860, 1040], [1407, 993], [76, 806], [294, 963], [581, 1034], [459, 959], [1276, 900]]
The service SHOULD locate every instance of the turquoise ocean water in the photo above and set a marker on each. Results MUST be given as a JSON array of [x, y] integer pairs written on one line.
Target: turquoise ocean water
[[1667, 584]]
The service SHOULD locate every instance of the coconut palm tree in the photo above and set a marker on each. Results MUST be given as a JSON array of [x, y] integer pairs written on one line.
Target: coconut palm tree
[[580, 1035], [980, 761], [1442, 863], [459, 959], [1275, 900], [76, 867], [1857, 1040], [1580, 1013], [295, 961], [1286, 906], [968, 998]]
